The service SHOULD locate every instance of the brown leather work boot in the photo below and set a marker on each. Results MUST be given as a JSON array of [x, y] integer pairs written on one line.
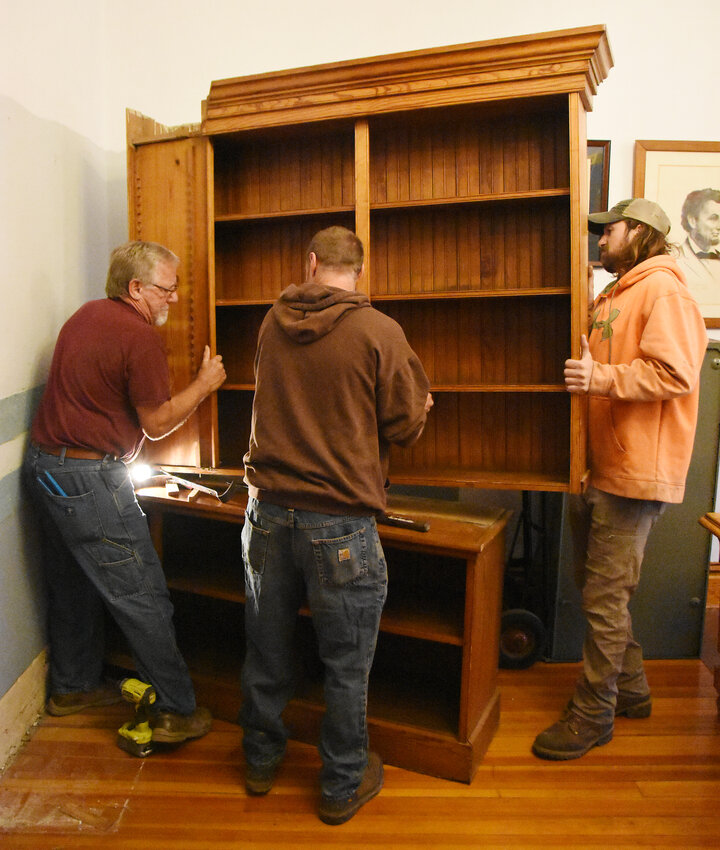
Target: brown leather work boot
[[634, 706], [571, 737], [171, 728], [60, 705], [335, 812]]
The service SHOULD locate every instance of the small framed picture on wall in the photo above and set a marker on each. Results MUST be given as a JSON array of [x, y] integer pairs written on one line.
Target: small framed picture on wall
[[598, 166]]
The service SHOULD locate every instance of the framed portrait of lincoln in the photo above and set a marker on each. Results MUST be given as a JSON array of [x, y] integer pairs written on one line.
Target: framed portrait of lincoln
[[684, 178]]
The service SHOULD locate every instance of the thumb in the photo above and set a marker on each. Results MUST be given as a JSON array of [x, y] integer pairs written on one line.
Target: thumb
[[206, 355], [584, 346]]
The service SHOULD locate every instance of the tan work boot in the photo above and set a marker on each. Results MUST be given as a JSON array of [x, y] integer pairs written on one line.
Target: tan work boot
[[171, 728], [571, 737], [60, 705], [335, 812]]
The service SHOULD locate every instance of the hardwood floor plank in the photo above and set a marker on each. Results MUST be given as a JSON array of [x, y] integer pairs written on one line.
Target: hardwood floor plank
[[656, 784], [700, 789]]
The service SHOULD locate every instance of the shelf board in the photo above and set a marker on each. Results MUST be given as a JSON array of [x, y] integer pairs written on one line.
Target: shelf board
[[429, 709], [531, 195], [498, 388], [449, 388], [478, 294], [433, 625], [473, 293], [540, 194], [244, 302], [210, 585], [217, 685], [482, 479], [227, 218]]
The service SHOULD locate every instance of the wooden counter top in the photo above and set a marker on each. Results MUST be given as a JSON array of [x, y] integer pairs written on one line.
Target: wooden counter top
[[453, 526]]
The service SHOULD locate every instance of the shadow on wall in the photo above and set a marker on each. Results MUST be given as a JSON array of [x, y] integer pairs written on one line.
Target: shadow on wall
[[66, 207], [63, 209]]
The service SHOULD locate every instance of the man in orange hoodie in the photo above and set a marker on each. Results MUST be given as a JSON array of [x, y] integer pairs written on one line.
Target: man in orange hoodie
[[640, 369]]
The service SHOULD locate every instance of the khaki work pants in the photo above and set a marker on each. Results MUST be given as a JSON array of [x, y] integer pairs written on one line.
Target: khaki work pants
[[609, 534]]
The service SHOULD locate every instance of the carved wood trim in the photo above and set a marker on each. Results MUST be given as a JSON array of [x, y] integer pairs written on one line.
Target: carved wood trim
[[574, 60]]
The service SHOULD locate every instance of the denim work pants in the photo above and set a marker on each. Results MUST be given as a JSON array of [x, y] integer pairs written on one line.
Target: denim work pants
[[337, 564], [609, 534], [97, 549]]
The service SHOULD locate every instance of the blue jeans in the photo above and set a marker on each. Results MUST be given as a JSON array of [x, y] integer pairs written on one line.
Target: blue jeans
[[98, 552], [609, 536], [336, 563]]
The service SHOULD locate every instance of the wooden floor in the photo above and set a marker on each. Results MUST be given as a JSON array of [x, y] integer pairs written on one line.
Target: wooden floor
[[656, 784]]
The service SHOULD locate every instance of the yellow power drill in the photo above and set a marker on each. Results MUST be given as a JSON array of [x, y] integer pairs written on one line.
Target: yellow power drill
[[135, 736]]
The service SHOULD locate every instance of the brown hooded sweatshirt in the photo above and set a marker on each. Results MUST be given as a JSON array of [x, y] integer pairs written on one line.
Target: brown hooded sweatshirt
[[335, 383], [648, 341]]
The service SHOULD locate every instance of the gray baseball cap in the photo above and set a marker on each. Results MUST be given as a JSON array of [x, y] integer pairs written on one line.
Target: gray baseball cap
[[639, 209]]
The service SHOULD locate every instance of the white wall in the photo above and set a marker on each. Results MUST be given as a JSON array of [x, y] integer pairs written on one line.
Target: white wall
[[69, 70]]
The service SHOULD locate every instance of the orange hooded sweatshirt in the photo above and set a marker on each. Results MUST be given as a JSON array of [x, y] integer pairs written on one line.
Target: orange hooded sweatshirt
[[647, 339]]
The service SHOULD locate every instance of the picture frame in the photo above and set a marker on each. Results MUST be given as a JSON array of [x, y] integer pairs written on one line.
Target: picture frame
[[667, 172], [598, 166]]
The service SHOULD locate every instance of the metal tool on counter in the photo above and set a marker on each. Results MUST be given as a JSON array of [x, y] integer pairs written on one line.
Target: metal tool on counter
[[193, 483], [403, 522]]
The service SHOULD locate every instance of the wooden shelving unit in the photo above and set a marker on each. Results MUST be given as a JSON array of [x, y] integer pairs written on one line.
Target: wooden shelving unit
[[436, 662], [469, 246], [463, 170]]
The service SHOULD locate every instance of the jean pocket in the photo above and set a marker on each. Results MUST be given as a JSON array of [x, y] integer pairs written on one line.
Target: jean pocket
[[254, 554], [117, 569], [254, 546], [341, 560], [76, 517]]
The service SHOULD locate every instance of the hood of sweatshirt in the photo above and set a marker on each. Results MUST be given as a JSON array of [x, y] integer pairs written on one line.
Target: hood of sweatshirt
[[661, 262], [306, 313]]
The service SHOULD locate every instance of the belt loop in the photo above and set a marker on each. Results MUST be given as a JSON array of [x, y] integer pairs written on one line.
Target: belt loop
[[62, 456]]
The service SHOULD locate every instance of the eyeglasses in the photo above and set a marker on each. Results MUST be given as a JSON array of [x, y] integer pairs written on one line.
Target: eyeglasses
[[169, 290]]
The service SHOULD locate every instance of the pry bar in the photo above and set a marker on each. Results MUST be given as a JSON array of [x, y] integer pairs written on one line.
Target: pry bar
[[403, 522], [223, 496]]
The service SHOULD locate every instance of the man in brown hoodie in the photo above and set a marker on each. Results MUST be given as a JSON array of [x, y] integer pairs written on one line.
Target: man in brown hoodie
[[335, 383], [640, 369]]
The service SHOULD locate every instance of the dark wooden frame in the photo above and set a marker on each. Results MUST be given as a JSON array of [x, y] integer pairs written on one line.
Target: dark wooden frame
[[599, 168]]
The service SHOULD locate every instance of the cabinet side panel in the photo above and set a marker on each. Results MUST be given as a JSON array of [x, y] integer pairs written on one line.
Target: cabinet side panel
[[482, 633], [579, 206], [167, 205]]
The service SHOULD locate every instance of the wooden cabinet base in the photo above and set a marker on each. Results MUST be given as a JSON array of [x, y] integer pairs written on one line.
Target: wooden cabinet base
[[433, 703], [410, 747], [711, 521]]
